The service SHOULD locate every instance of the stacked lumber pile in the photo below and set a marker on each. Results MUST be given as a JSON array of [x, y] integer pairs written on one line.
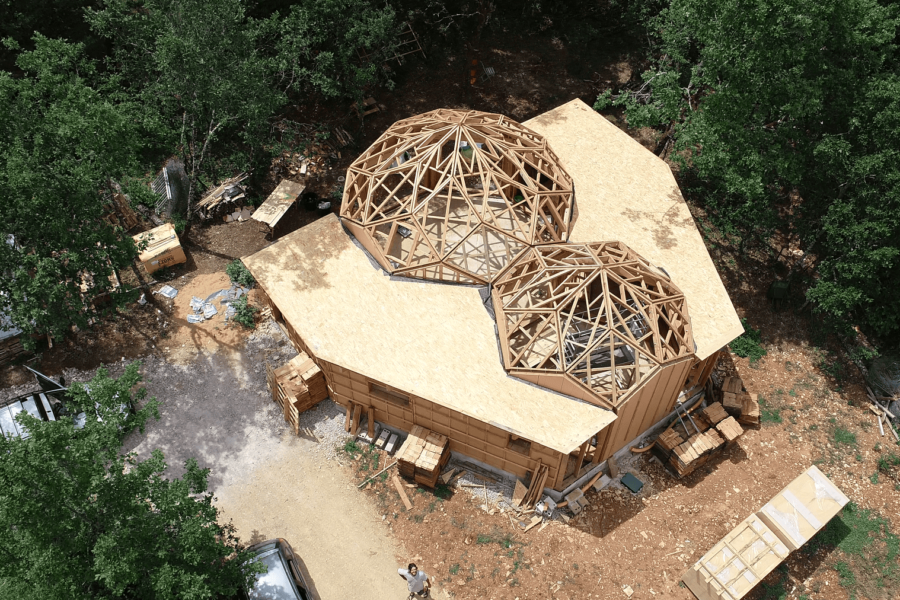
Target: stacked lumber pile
[[691, 441], [423, 456], [696, 451], [738, 403], [730, 429], [296, 387], [10, 348]]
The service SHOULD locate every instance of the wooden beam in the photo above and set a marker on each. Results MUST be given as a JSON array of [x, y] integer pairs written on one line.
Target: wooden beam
[[584, 448], [370, 414], [354, 425], [348, 417], [399, 487]]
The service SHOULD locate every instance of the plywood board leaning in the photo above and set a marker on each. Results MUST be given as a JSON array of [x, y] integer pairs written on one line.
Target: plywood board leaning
[[803, 508], [737, 563], [278, 203]]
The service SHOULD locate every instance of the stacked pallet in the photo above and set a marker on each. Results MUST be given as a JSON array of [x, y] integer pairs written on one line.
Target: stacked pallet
[[423, 455], [296, 387]]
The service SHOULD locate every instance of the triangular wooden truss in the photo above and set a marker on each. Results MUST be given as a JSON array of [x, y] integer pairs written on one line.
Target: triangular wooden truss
[[593, 318], [456, 196]]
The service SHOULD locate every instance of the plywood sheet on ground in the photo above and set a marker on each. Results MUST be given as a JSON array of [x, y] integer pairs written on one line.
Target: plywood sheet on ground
[[433, 340], [278, 202], [801, 509], [624, 192]]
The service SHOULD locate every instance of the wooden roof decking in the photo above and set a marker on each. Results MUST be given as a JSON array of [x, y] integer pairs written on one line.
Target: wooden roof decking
[[626, 193], [432, 340]]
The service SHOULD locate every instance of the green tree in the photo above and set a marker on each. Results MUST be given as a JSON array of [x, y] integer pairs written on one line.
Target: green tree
[[317, 46], [81, 520], [786, 112], [64, 133], [195, 67]]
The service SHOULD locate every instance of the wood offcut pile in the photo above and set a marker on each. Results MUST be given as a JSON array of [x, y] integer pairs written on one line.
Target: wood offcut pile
[[423, 456], [693, 439], [296, 387], [224, 197]]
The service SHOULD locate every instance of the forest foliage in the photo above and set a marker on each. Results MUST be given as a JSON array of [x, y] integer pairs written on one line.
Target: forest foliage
[[783, 115]]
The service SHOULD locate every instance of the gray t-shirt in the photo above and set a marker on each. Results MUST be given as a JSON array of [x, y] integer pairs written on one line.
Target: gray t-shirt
[[415, 583]]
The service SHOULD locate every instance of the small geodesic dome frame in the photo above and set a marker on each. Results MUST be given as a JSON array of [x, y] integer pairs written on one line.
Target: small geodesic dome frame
[[590, 320], [456, 195]]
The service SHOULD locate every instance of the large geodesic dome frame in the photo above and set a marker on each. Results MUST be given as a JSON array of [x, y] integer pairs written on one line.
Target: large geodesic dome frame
[[455, 196], [590, 320]]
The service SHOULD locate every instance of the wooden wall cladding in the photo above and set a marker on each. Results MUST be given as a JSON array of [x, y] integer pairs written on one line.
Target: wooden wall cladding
[[646, 406], [468, 436]]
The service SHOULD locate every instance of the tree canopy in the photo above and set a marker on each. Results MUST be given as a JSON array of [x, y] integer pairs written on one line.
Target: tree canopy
[[65, 132], [786, 112], [82, 520]]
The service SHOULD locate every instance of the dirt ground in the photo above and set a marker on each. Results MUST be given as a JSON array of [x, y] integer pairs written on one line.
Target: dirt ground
[[216, 409]]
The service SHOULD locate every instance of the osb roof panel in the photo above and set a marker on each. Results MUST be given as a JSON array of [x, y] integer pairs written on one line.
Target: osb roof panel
[[624, 192], [432, 340]]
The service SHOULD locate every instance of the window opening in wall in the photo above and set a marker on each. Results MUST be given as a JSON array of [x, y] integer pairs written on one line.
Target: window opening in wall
[[380, 391], [517, 444]]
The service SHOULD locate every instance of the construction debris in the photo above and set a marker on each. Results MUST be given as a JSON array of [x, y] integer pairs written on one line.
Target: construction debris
[[399, 487], [296, 387], [223, 197]]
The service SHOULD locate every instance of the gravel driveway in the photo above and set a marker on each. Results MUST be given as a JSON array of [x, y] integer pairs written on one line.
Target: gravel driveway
[[269, 482]]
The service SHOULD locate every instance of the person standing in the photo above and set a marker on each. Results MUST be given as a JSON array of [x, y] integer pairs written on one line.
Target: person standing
[[416, 581]]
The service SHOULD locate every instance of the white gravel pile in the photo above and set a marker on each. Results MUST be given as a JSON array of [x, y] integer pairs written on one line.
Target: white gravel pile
[[490, 489], [326, 421]]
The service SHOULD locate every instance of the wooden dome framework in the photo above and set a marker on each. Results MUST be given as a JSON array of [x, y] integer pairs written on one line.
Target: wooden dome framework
[[456, 196], [590, 320]]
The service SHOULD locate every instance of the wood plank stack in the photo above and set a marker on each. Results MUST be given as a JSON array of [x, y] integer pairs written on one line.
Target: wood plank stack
[[667, 442], [683, 451], [423, 456], [296, 387], [738, 403], [714, 413], [730, 429], [749, 410], [10, 348]]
